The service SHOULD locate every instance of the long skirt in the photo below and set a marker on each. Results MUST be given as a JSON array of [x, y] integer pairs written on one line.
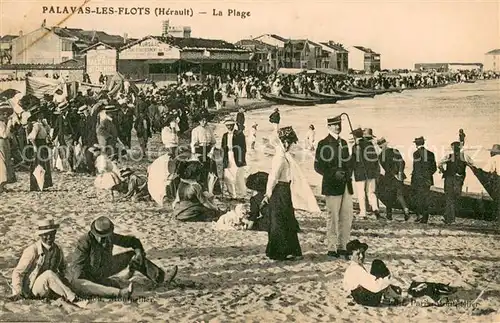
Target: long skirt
[[41, 158], [7, 174], [283, 226]]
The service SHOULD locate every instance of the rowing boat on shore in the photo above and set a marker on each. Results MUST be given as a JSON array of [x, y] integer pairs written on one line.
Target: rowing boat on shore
[[289, 101], [336, 96], [376, 91], [490, 182], [357, 94], [304, 97], [472, 205]]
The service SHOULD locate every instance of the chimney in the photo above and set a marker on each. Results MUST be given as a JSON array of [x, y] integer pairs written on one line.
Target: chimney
[[20, 33], [331, 43], [125, 38]]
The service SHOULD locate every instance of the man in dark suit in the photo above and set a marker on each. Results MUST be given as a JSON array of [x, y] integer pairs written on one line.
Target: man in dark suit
[[240, 119], [107, 134], [333, 162], [424, 167], [65, 134], [392, 184], [275, 119], [94, 263], [234, 150]]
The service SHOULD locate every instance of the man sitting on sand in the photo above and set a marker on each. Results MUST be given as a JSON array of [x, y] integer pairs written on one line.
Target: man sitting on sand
[[367, 288], [40, 271], [94, 262]]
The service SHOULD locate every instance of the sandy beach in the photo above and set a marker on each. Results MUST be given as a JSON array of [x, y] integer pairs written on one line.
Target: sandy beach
[[225, 276]]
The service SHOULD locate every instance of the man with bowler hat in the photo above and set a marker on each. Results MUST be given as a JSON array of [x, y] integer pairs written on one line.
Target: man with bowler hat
[[94, 262], [333, 162], [424, 167]]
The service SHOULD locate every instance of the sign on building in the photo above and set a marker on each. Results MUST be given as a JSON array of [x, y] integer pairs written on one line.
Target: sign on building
[[100, 59], [150, 48]]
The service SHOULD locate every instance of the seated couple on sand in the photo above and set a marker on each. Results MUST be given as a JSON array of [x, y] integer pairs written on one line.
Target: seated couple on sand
[[41, 271], [376, 287]]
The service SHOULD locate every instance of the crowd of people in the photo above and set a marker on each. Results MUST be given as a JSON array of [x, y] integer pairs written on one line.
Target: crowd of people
[[43, 134]]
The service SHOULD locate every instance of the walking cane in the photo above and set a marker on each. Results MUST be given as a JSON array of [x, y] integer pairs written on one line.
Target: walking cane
[[362, 160]]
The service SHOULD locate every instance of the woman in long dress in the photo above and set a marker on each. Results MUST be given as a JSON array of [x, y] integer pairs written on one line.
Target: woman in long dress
[[283, 241], [7, 174], [38, 139]]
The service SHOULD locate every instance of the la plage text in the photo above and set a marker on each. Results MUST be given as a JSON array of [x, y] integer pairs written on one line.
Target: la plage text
[[231, 13]]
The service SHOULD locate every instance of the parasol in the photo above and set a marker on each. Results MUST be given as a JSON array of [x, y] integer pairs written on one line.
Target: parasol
[[9, 93], [158, 178], [39, 174]]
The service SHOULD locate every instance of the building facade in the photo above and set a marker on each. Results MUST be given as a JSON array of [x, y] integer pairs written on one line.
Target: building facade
[[264, 56], [364, 59], [302, 53], [162, 58], [277, 42], [338, 56], [492, 60], [448, 67], [100, 58]]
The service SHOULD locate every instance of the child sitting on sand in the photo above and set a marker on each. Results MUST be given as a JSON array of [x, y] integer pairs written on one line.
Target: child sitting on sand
[[233, 220], [258, 214], [368, 288]]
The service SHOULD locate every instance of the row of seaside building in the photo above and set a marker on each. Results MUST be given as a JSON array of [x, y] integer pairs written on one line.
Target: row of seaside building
[[72, 52]]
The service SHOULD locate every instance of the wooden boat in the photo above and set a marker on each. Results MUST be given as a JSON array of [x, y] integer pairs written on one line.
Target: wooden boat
[[490, 182], [376, 91], [336, 96], [289, 101], [357, 94], [473, 205], [470, 81], [303, 97]]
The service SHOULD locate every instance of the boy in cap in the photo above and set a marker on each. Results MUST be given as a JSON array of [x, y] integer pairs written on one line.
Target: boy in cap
[[94, 262], [334, 163], [40, 271]]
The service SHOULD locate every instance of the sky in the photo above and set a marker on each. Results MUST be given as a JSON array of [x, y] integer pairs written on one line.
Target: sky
[[404, 32]]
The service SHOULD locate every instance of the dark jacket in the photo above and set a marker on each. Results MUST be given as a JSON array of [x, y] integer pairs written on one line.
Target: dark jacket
[[142, 130], [274, 117], [240, 118], [64, 125], [239, 149], [392, 162], [455, 166], [106, 133], [333, 156], [424, 167], [91, 259], [365, 161]]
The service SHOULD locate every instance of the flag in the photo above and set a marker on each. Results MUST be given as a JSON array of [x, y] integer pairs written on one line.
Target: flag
[[38, 86]]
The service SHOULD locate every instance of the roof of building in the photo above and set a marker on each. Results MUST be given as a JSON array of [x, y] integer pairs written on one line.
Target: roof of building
[[274, 36], [366, 50], [89, 36], [335, 46], [190, 43], [493, 52], [440, 64], [255, 44], [8, 38]]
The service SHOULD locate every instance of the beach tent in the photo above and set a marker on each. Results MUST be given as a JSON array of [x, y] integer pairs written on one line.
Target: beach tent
[[115, 85], [291, 71]]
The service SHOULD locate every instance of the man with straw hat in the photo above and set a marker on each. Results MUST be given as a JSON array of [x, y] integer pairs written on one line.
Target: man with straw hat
[[424, 167], [94, 263], [234, 149], [333, 162], [40, 271]]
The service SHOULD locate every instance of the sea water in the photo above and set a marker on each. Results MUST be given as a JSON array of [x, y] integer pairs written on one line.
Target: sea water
[[436, 114]]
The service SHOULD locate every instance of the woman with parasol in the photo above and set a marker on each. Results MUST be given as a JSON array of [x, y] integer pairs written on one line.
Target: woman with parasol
[[7, 174], [40, 172]]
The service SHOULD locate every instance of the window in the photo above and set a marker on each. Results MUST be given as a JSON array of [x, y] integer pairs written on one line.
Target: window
[[161, 54], [67, 46]]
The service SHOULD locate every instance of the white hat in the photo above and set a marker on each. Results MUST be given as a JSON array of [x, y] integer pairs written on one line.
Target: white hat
[[229, 120], [46, 226]]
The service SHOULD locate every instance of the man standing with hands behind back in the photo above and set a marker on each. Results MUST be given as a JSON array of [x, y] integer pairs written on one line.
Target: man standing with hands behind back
[[333, 162]]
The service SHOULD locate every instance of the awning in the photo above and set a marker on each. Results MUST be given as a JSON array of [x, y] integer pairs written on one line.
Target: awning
[[329, 71], [291, 71]]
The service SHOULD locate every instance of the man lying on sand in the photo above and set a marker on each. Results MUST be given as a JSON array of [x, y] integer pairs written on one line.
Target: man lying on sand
[[94, 262], [40, 271], [368, 288]]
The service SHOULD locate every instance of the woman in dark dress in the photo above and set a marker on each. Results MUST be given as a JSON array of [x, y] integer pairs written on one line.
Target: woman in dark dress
[[38, 139], [283, 242]]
